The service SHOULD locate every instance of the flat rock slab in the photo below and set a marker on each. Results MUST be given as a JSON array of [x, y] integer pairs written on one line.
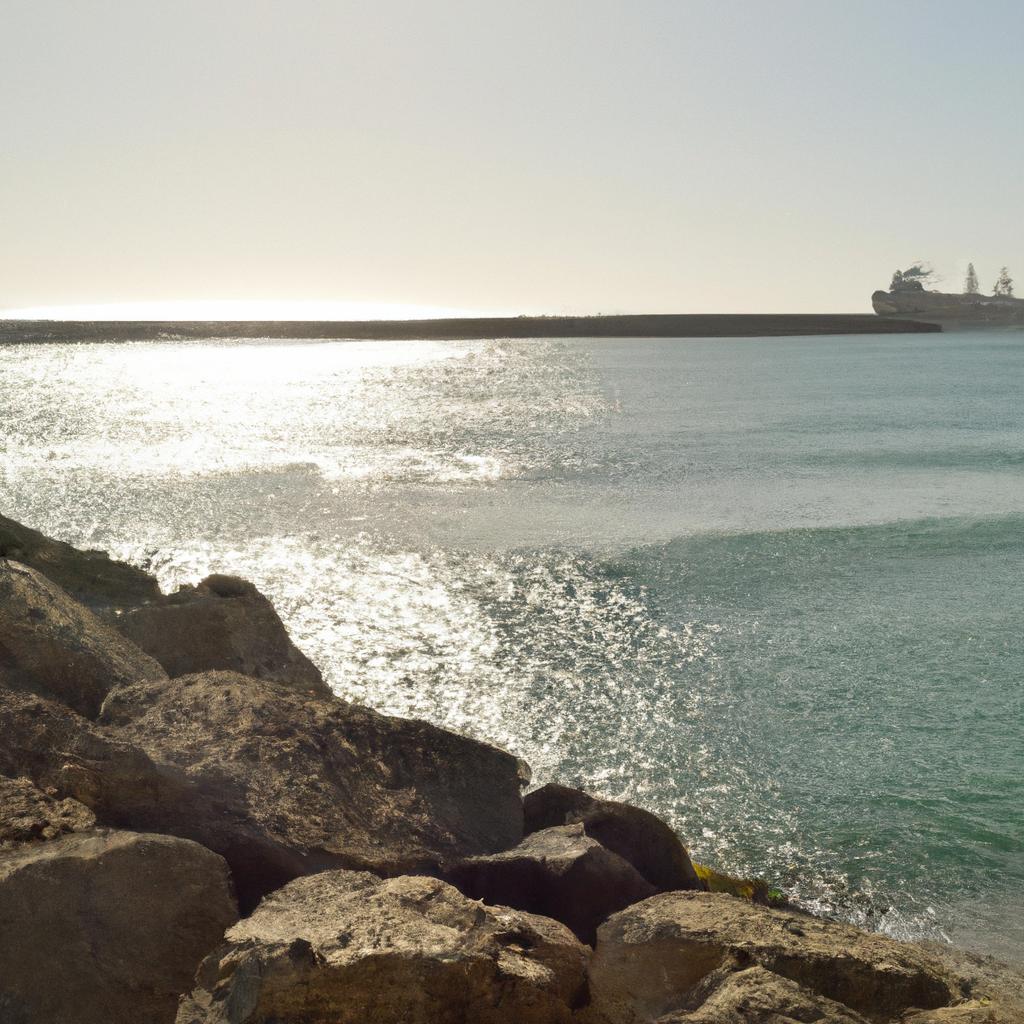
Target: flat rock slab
[[652, 958], [636, 835], [106, 927], [91, 577], [557, 872], [329, 783], [223, 623], [51, 644], [347, 947]]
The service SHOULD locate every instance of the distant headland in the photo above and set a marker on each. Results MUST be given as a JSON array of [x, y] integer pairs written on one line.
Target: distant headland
[[651, 325], [908, 298]]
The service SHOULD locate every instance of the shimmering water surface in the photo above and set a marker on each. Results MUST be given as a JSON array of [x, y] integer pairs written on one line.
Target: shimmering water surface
[[770, 589]]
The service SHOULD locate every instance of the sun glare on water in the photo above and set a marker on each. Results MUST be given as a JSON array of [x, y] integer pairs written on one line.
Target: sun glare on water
[[240, 309]]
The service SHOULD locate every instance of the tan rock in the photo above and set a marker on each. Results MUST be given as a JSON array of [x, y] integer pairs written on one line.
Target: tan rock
[[322, 782], [651, 957], [756, 996], [634, 834], [223, 623], [349, 948], [51, 644], [991, 983], [557, 872], [106, 927], [64, 753], [91, 577], [28, 815], [972, 1012]]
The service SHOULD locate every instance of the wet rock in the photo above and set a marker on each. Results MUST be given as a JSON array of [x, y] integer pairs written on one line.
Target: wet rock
[[223, 623], [104, 927], [51, 644], [91, 577], [28, 815], [634, 834], [349, 948], [652, 958], [557, 872], [322, 783]]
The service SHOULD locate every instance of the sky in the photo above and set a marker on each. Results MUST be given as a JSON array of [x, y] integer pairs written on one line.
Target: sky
[[541, 156]]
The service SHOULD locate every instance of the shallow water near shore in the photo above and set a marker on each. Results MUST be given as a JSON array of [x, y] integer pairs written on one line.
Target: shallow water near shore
[[770, 589]]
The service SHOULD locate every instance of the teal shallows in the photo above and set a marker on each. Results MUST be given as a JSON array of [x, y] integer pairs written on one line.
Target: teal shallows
[[769, 588]]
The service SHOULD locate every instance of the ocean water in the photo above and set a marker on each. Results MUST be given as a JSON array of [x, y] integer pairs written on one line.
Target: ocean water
[[771, 589]]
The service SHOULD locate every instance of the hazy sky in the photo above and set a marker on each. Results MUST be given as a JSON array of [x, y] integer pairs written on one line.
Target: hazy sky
[[549, 156]]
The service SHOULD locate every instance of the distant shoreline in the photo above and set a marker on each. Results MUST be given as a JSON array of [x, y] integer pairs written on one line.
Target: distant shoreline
[[656, 325]]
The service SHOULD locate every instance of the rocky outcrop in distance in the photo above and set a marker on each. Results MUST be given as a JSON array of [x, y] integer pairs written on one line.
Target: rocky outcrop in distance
[[386, 870], [949, 309]]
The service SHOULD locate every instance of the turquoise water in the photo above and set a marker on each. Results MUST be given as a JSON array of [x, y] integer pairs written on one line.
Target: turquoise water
[[769, 588]]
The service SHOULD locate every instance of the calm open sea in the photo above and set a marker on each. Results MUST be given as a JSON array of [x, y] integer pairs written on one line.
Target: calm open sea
[[771, 589]]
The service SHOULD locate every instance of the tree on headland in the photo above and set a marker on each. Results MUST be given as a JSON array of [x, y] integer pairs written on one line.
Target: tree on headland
[[971, 281], [912, 279], [1004, 284]]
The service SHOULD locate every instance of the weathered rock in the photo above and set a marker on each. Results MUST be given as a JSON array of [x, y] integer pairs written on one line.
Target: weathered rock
[[64, 753], [992, 984], [651, 957], [29, 815], [972, 1012], [223, 623], [91, 577], [634, 834], [51, 644], [73, 757], [557, 872], [349, 948], [106, 927], [756, 996], [324, 782]]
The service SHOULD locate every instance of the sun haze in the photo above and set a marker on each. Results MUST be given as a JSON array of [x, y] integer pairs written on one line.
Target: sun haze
[[534, 157]]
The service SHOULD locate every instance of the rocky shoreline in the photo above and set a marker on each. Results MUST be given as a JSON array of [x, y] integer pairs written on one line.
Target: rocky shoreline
[[194, 829]]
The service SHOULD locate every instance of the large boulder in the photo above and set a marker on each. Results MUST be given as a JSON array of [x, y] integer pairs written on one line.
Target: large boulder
[[323, 782], [223, 623], [346, 947], [634, 834], [70, 756], [101, 927], [653, 958], [557, 872], [51, 644], [91, 577]]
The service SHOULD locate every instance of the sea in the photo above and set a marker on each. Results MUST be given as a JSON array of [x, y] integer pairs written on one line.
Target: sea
[[770, 589]]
